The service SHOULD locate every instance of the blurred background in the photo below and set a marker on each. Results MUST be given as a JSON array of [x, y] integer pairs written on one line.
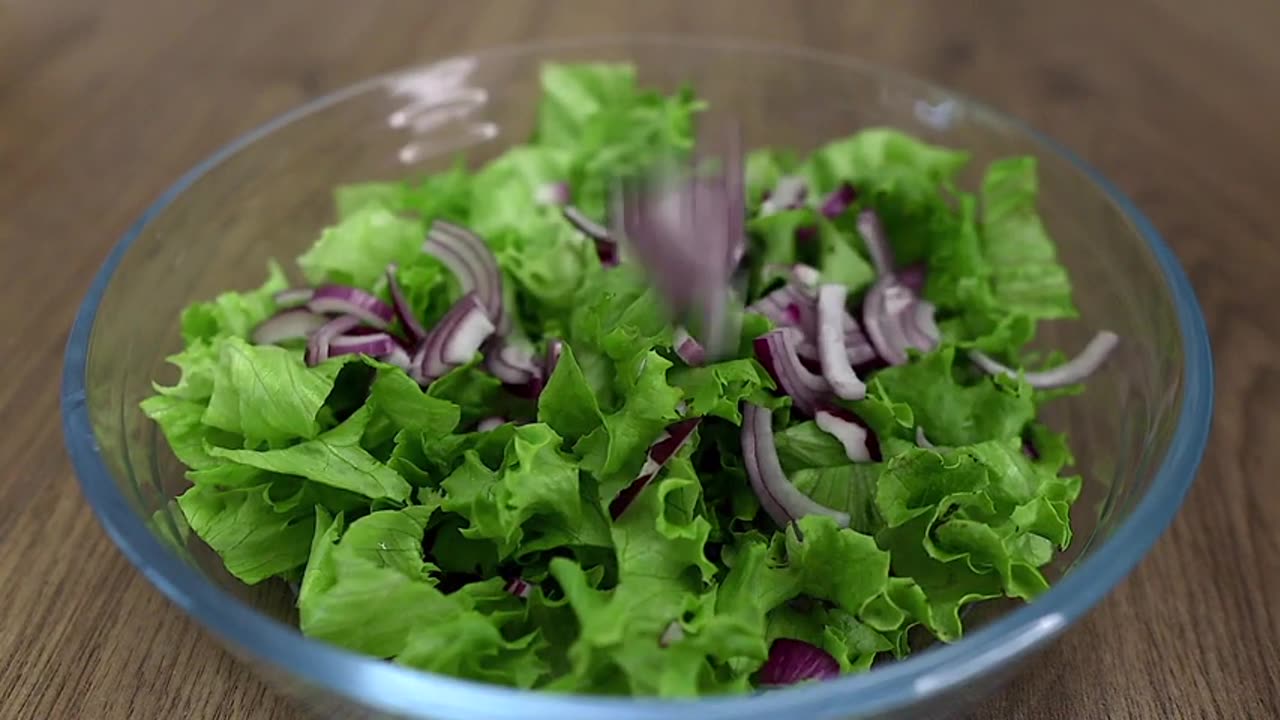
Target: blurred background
[[103, 105]]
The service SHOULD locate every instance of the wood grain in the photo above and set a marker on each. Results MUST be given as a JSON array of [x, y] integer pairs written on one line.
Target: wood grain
[[103, 104]]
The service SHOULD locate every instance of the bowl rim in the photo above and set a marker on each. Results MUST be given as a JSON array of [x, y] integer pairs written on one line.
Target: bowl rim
[[390, 688]]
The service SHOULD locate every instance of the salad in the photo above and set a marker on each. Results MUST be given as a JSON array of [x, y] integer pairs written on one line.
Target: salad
[[515, 429]]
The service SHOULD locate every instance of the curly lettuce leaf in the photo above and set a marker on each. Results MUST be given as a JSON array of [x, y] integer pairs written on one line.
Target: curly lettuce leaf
[[951, 413], [649, 406], [534, 501], [334, 458], [259, 531], [358, 249], [267, 393], [233, 314], [567, 403], [718, 389]]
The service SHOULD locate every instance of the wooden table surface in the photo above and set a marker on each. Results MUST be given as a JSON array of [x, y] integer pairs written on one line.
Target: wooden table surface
[[103, 104]]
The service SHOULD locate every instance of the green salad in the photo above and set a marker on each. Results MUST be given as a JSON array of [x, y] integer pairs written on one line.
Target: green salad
[[743, 429]]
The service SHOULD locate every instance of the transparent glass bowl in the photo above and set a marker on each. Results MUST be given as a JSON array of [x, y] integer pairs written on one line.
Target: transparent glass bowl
[[1138, 432]]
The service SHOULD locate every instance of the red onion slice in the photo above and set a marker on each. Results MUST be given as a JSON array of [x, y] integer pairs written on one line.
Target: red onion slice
[[673, 634], [896, 320], [402, 309], [552, 193], [850, 434], [788, 194], [834, 358], [399, 358], [511, 360], [606, 247], [293, 297], [1069, 373], [872, 232], [794, 661], [688, 349], [585, 225], [519, 587], [467, 336], [777, 495], [376, 346], [660, 452], [776, 351], [839, 200], [454, 340], [922, 440], [469, 258], [913, 276], [490, 424], [344, 300], [295, 324], [318, 343], [555, 347]]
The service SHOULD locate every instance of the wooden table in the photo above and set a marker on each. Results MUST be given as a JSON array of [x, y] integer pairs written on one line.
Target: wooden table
[[103, 104]]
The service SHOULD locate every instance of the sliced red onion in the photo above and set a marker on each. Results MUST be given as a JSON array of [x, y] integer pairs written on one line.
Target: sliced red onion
[[673, 634], [318, 343], [895, 320], [788, 194], [1069, 373], [519, 587], [735, 189], [851, 435], [511, 360], [834, 358], [399, 357], [344, 300], [922, 440], [295, 324], [805, 276], [839, 200], [555, 347], [660, 452], [872, 232], [469, 258], [688, 349], [776, 351], [686, 233], [454, 340], [402, 309], [467, 337], [606, 247], [293, 297], [777, 495], [792, 306], [913, 276], [794, 661], [376, 346], [585, 225], [552, 193], [490, 424]]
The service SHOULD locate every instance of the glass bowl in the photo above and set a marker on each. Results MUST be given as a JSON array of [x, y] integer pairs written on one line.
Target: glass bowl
[[1138, 431]]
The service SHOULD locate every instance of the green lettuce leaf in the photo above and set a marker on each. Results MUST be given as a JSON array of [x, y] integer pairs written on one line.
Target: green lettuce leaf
[[718, 389], [533, 501], [567, 403], [259, 531], [1026, 277], [358, 250], [951, 413], [266, 393], [233, 314], [334, 458], [621, 444]]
